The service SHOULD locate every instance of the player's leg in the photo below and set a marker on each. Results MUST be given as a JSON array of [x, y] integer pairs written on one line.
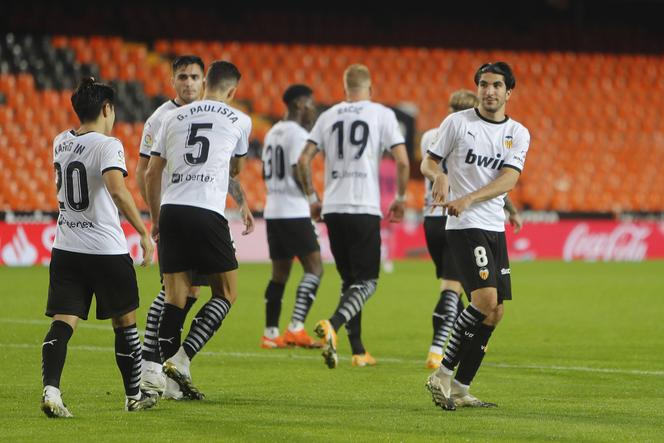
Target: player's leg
[[116, 292], [364, 264], [472, 360], [337, 233], [274, 294], [129, 358], [444, 315], [206, 323], [312, 265], [69, 298], [54, 352]]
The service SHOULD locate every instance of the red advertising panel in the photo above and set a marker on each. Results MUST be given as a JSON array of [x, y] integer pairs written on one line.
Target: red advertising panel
[[25, 244]]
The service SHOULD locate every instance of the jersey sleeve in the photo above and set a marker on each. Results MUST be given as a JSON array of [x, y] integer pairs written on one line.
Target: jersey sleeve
[[150, 130], [242, 146], [391, 134], [113, 157], [516, 155], [297, 142], [158, 146], [316, 134], [443, 141]]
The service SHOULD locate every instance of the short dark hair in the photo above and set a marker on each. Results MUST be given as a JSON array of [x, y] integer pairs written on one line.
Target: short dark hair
[[89, 97], [293, 92], [186, 60], [500, 68], [222, 75]]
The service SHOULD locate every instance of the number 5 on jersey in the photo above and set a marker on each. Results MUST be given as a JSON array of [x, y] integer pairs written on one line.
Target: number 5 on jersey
[[194, 140]]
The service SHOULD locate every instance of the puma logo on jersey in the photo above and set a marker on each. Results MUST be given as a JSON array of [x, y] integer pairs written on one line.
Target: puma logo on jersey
[[484, 161], [50, 342], [471, 134]]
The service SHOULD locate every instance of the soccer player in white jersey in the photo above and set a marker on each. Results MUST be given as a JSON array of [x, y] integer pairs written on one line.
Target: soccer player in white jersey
[[199, 144], [290, 231], [485, 152], [353, 135], [90, 254], [187, 80], [449, 305]]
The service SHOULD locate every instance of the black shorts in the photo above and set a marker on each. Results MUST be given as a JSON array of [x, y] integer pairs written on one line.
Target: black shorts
[[355, 245], [195, 239], [439, 248], [197, 279], [74, 277], [481, 258], [291, 237]]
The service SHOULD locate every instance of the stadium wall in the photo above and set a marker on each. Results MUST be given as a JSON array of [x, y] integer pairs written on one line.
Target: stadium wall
[[27, 244]]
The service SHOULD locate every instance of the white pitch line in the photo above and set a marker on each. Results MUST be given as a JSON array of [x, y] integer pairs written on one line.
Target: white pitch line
[[278, 355]]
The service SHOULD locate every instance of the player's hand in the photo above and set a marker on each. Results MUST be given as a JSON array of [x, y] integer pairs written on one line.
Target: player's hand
[[456, 207], [315, 209], [148, 249], [247, 219], [439, 191], [516, 221], [154, 232], [396, 211]]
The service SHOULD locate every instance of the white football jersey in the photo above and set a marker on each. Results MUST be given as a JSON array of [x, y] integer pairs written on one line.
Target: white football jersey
[[476, 150], [197, 141], [283, 145], [353, 136], [151, 131], [437, 211], [88, 221]]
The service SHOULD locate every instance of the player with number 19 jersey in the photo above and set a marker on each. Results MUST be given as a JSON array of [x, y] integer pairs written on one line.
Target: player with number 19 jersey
[[88, 221], [197, 141], [354, 136]]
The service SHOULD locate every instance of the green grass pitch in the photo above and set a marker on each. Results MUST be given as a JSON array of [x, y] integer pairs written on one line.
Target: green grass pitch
[[579, 356]]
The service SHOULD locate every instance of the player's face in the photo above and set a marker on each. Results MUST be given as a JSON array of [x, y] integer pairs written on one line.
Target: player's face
[[188, 82], [492, 92]]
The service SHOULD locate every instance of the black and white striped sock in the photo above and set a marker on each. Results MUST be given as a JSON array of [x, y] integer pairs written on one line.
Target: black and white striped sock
[[462, 334], [205, 324], [352, 302], [129, 359], [151, 338], [443, 317], [306, 294]]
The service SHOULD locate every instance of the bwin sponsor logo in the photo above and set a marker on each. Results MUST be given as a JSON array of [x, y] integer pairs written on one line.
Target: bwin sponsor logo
[[485, 162]]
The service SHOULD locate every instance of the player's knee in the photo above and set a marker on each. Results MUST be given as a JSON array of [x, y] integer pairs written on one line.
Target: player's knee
[[125, 320], [451, 285]]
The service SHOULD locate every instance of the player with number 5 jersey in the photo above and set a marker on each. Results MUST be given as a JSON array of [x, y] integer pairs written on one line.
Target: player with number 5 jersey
[[199, 145], [354, 134]]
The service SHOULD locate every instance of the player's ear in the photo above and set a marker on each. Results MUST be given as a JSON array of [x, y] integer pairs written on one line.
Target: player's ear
[[231, 93], [507, 94]]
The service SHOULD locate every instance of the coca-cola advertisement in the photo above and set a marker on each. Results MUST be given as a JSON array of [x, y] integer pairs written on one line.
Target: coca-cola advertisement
[[27, 244]]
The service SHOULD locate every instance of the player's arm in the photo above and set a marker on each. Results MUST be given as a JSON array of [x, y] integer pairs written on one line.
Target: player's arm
[[430, 168], [304, 171], [505, 182], [141, 167], [114, 181], [514, 217], [236, 191], [398, 206], [153, 173]]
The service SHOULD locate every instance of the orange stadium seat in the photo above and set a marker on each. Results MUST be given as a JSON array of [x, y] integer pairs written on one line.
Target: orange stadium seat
[[588, 142]]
